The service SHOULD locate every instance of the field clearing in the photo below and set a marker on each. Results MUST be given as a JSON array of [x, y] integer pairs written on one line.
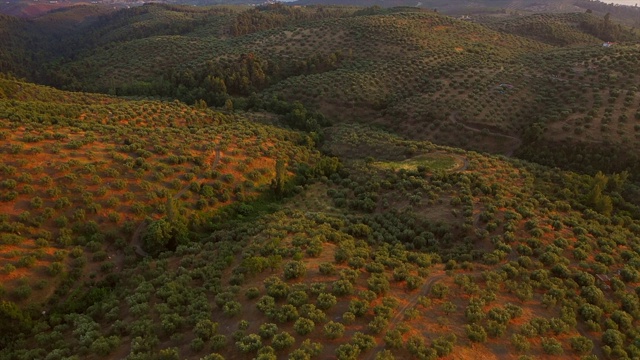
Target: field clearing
[[430, 162]]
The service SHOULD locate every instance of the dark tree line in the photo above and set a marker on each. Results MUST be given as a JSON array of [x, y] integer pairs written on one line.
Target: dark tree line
[[276, 15], [627, 14], [219, 80], [606, 29]]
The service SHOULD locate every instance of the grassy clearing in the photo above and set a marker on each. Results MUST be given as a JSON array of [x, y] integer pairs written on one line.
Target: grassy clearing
[[430, 162]]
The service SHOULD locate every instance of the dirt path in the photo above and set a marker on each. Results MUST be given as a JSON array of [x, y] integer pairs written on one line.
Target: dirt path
[[463, 163], [136, 240], [413, 300], [517, 141]]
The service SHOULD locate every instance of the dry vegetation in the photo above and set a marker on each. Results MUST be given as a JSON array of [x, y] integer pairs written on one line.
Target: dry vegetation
[[83, 171]]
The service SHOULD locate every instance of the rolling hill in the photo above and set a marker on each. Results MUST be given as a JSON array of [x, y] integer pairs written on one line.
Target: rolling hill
[[68, 182], [517, 83], [408, 250], [318, 182]]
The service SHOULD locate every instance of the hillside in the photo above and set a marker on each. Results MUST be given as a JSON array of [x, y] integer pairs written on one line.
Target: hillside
[[68, 182], [418, 251], [629, 15], [516, 83], [320, 182]]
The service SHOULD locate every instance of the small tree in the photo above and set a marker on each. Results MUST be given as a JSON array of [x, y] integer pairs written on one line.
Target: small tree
[[413, 282], [249, 343], [378, 324], [364, 342], [443, 345], [232, 308], [581, 344], [449, 307], [312, 349], [299, 354], [551, 346], [393, 339], [326, 301], [495, 329], [294, 269], [166, 354], [218, 342], [303, 326], [266, 353], [205, 329], [310, 311], [439, 291], [266, 304], [288, 313], [358, 307], [385, 355], [278, 184], [378, 283], [342, 287], [327, 268], [297, 298], [333, 330], [276, 288], [476, 333], [417, 347], [348, 317], [520, 342], [613, 338], [267, 330], [282, 341], [347, 352]]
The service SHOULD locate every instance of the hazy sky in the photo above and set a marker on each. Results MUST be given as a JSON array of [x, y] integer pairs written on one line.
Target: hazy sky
[[623, 2]]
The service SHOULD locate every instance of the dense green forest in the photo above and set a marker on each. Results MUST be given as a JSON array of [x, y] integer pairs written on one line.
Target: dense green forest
[[318, 182]]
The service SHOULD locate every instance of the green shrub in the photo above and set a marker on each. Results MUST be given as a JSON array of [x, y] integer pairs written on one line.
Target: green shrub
[[282, 341], [249, 343], [303, 326], [333, 330], [294, 270]]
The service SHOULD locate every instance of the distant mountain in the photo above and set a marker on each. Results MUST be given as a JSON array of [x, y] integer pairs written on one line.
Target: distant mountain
[[626, 14], [629, 15]]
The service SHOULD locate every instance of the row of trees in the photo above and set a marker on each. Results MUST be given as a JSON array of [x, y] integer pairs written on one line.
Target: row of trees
[[243, 75], [630, 15], [607, 30], [271, 16]]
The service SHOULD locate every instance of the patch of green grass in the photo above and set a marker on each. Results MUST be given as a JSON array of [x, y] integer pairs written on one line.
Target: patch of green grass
[[432, 162]]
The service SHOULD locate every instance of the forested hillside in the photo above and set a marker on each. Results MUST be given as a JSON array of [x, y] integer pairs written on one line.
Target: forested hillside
[[321, 182], [509, 79]]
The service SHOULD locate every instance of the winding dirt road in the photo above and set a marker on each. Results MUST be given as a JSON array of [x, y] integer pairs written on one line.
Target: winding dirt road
[[463, 163], [413, 300]]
